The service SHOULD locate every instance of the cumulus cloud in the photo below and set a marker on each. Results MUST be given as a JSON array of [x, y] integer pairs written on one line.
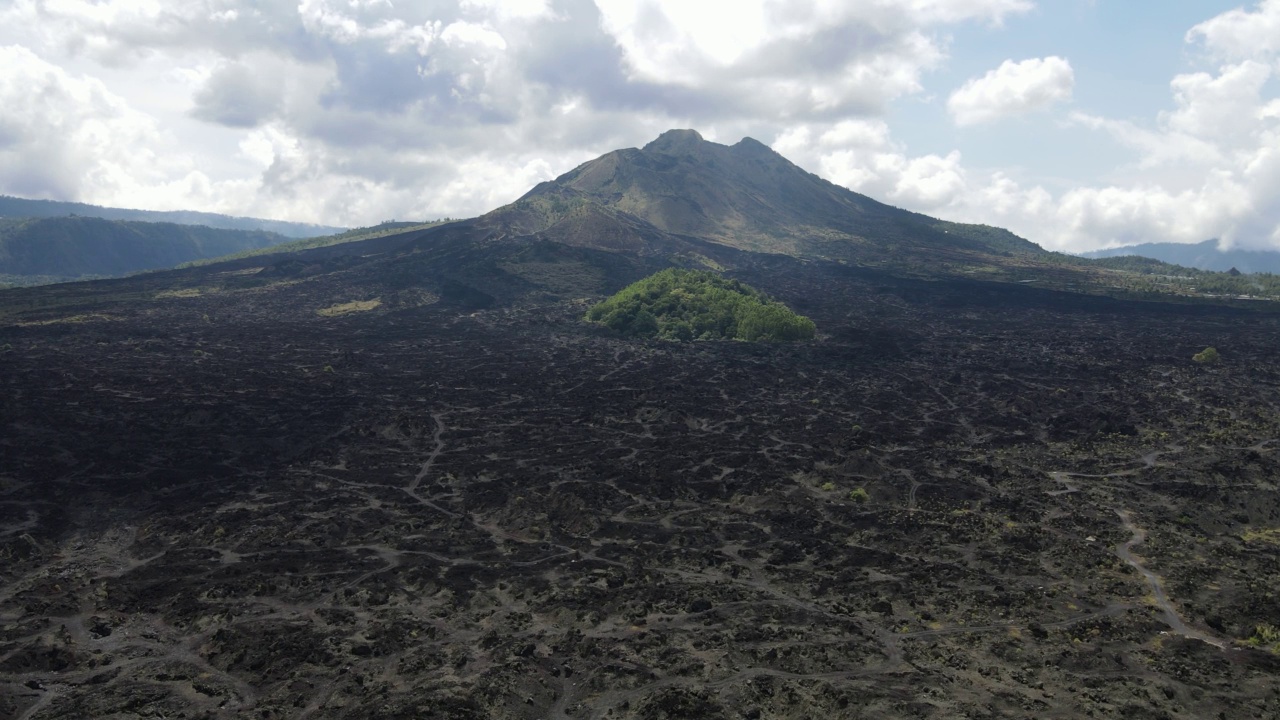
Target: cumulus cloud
[[1241, 34], [786, 60], [67, 136], [1014, 88], [1226, 107], [238, 95], [1207, 168], [861, 155], [1210, 166]]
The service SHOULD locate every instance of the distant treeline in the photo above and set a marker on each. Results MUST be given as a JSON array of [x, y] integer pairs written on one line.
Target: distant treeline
[[1148, 275]]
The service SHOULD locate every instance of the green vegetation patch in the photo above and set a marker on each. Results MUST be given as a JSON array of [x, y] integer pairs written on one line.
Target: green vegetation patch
[[180, 293], [1207, 356], [698, 305], [69, 319], [1266, 637], [355, 306], [1265, 536]]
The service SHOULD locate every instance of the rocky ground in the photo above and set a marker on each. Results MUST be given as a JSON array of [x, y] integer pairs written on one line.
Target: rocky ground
[[961, 501]]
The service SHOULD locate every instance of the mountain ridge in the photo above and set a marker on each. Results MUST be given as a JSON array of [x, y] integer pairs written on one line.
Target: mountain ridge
[[72, 247], [16, 207], [1205, 255]]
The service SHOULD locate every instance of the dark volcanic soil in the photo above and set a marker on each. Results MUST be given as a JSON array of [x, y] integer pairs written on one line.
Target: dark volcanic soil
[[228, 506]]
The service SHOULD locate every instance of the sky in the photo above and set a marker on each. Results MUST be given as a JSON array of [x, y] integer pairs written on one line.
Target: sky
[[1078, 124]]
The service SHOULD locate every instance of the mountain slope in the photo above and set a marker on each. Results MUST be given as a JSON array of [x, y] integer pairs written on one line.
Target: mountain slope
[[13, 207], [1203, 256], [69, 247], [750, 197], [391, 227]]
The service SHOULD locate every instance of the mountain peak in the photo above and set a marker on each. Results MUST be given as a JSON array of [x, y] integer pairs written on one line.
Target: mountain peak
[[748, 143], [745, 196], [675, 140]]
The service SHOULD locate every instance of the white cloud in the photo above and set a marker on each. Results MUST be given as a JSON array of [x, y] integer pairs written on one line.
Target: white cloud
[[1014, 88], [67, 136], [787, 60], [509, 9], [1157, 148], [1241, 34], [238, 95], [1225, 108], [347, 23], [462, 33], [860, 155], [1207, 168]]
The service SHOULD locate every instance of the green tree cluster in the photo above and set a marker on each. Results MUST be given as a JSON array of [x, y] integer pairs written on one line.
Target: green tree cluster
[[679, 304]]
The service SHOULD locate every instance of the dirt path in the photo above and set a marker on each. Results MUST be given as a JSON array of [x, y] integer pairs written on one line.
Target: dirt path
[[1171, 618], [1139, 535], [412, 489]]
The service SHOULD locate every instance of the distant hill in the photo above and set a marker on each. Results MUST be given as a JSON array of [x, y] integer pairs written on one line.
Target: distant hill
[[61, 248], [12, 207], [1203, 256]]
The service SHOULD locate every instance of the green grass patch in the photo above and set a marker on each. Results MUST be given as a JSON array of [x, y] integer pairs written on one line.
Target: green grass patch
[[355, 306], [1261, 536], [182, 293], [69, 319]]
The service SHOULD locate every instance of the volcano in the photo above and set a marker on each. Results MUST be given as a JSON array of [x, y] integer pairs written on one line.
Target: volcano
[[678, 201]]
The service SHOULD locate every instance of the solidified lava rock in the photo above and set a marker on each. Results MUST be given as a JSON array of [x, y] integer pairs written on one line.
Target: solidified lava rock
[[446, 511]]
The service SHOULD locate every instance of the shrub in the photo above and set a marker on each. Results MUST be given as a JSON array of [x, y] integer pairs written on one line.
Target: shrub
[[1265, 636], [859, 495], [1207, 356]]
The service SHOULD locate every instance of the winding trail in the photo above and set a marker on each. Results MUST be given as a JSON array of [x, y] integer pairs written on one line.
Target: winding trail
[[1171, 618], [1068, 487], [1124, 551], [412, 489], [431, 459]]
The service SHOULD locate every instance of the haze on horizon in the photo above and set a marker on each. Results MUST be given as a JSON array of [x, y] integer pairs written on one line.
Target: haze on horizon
[[1077, 124]]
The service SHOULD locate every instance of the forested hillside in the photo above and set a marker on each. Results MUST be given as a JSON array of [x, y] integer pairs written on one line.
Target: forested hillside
[[14, 207], [72, 247]]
